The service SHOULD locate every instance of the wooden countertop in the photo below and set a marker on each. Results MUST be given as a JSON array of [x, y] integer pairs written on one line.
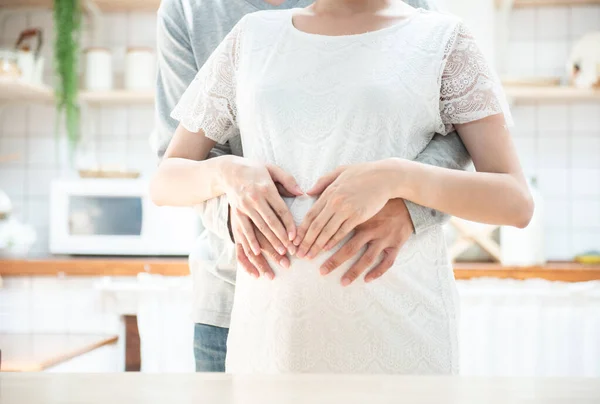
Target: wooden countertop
[[129, 266], [36, 352], [138, 388]]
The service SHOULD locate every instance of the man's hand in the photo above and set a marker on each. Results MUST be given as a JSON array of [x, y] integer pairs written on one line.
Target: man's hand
[[384, 234]]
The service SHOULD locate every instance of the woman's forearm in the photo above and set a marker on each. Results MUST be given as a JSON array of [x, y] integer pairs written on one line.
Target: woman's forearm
[[494, 198], [183, 182]]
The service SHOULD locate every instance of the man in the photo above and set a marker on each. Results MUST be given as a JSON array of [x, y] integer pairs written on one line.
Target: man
[[188, 32]]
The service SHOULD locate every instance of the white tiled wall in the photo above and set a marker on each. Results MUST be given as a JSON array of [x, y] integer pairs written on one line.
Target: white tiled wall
[[559, 144], [112, 135], [541, 38]]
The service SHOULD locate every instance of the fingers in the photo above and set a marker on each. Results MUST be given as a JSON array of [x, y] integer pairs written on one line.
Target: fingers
[[313, 231], [332, 227], [324, 182], [269, 251], [256, 205], [348, 250], [341, 232], [262, 265], [283, 192], [264, 228], [367, 259], [285, 217], [243, 260], [248, 237], [272, 220], [389, 256], [286, 180], [310, 216]]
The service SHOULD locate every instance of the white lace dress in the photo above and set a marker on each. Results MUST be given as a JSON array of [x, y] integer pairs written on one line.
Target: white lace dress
[[310, 103]]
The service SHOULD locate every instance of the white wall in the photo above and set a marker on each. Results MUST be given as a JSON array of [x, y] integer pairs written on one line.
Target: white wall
[[480, 17]]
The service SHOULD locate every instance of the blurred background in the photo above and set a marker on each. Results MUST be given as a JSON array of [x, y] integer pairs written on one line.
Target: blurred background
[[94, 278]]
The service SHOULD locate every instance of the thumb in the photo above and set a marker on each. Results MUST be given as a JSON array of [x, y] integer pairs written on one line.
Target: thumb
[[324, 182], [283, 192], [287, 181]]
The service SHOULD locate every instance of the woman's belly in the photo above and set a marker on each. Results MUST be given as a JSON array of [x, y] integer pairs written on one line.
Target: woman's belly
[[305, 322]]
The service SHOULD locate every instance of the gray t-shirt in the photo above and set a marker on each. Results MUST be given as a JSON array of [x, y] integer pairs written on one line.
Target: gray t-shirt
[[188, 32]]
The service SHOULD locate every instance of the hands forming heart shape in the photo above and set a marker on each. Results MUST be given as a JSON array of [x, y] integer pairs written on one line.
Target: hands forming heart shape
[[350, 198]]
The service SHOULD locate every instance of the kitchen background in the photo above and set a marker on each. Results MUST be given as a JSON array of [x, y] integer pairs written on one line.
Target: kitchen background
[[557, 135]]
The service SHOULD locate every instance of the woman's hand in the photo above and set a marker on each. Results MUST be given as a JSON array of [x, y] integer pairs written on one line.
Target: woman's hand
[[350, 195], [251, 190], [255, 265]]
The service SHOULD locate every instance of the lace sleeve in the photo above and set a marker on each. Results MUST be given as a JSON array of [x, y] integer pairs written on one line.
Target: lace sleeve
[[209, 102], [470, 90]]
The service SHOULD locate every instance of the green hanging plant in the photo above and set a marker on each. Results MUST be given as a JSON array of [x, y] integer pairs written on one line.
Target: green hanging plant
[[67, 23]]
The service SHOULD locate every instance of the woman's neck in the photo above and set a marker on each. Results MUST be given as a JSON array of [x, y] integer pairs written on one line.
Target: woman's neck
[[349, 6]]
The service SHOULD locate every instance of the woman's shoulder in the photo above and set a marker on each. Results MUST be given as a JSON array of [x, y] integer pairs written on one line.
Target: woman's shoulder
[[263, 27], [439, 19], [436, 28], [267, 18]]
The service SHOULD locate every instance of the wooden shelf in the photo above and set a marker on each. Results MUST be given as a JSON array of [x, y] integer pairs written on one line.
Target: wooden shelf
[[553, 3], [103, 5], [13, 90], [549, 94], [131, 266], [124, 5], [117, 97]]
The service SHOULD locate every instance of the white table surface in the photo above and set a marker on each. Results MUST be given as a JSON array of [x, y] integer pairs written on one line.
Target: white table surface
[[136, 388]]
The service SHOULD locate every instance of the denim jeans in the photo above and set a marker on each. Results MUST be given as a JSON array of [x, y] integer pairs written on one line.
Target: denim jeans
[[210, 348]]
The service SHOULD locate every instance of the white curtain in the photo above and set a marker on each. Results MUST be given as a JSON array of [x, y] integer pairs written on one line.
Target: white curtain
[[164, 323], [508, 327], [530, 328]]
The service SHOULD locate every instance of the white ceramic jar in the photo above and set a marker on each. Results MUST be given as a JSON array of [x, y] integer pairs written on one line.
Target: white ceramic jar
[[98, 69], [525, 247], [140, 69]]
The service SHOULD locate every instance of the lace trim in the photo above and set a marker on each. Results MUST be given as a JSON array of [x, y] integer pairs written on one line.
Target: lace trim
[[209, 103], [469, 88]]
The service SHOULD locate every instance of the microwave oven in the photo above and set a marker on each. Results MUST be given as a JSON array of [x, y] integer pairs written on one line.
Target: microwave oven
[[116, 217]]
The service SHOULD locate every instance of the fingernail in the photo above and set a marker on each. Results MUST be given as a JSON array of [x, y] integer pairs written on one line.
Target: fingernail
[[291, 236], [300, 254], [298, 189], [281, 250], [256, 250], [345, 282], [311, 255], [367, 280], [254, 275], [323, 271], [269, 275], [284, 263], [292, 249], [297, 242]]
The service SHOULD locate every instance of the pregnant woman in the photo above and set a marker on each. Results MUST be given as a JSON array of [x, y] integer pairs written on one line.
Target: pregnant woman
[[334, 102]]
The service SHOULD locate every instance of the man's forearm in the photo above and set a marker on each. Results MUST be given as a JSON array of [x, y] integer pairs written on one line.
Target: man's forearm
[[446, 152], [215, 216]]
